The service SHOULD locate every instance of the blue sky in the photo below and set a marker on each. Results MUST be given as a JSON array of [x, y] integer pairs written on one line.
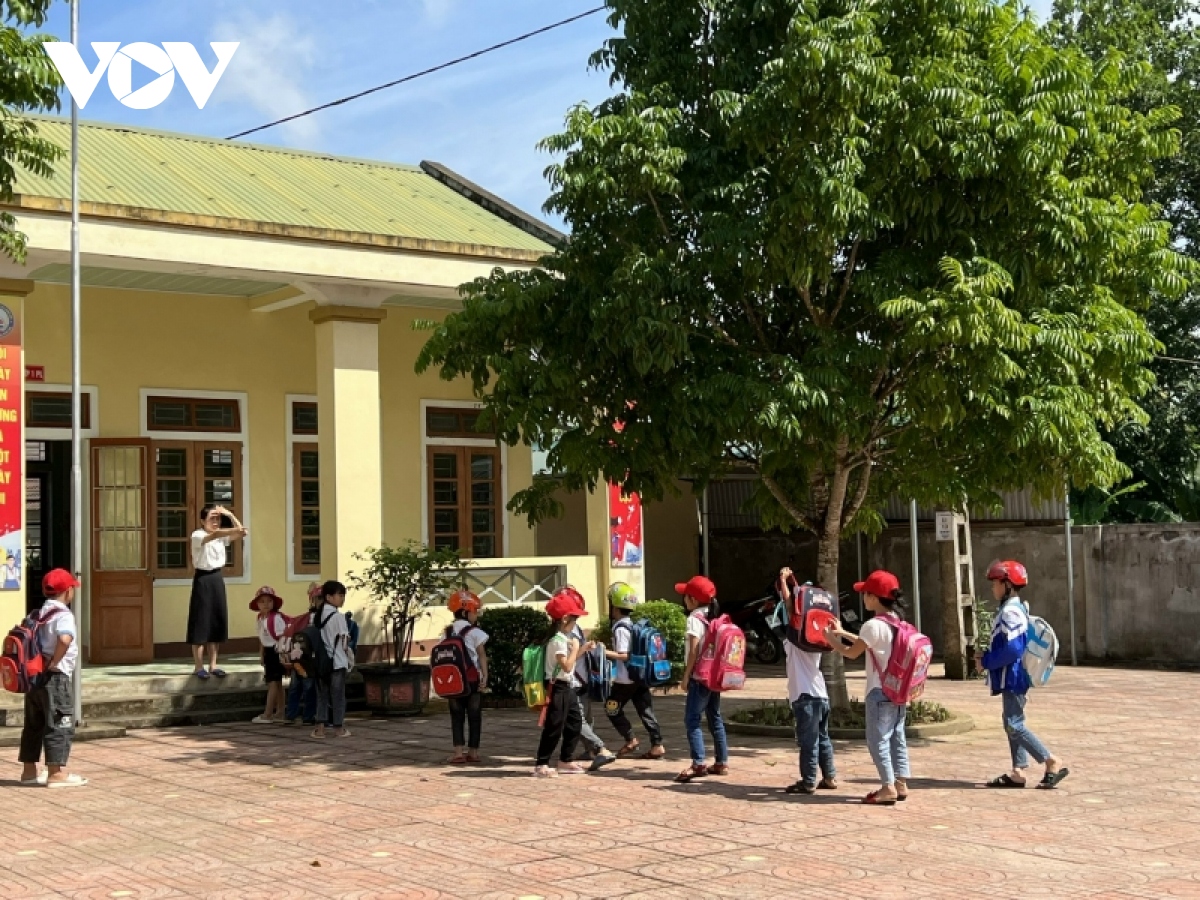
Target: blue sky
[[482, 118]]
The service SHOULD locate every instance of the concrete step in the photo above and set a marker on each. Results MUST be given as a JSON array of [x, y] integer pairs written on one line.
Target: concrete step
[[11, 737]]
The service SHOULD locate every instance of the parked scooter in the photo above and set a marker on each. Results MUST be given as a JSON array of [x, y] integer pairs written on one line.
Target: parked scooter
[[751, 616]]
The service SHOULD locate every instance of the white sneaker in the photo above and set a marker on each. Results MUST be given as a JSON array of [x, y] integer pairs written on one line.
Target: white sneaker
[[262, 720], [544, 772]]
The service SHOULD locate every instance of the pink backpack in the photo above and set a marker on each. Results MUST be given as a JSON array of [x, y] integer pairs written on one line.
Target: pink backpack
[[904, 679], [721, 666]]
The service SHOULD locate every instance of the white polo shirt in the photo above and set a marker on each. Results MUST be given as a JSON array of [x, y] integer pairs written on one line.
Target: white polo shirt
[[62, 623]]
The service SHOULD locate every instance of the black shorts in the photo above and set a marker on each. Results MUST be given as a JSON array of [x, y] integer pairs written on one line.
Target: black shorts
[[272, 667]]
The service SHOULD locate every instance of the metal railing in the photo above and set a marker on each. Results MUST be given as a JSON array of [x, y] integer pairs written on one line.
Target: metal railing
[[511, 585]]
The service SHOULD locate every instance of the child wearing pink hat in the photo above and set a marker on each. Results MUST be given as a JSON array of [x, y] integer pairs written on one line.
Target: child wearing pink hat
[[271, 626]]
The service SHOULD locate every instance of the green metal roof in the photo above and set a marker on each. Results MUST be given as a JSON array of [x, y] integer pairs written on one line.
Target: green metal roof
[[208, 178]]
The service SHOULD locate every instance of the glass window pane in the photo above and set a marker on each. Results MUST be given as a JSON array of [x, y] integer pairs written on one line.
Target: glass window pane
[[172, 523], [172, 555], [218, 463], [482, 493], [49, 410], [469, 421], [310, 523], [310, 465], [440, 422], [483, 545], [445, 521], [171, 462], [445, 465], [167, 414], [483, 521], [172, 492], [310, 552], [229, 555], [445, 543], [445, 493], [310, 493], [215, 415], [483, 468], [218, 491], [304, 418]]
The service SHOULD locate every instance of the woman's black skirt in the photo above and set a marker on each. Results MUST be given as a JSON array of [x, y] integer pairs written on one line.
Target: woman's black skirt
[[208, 612]]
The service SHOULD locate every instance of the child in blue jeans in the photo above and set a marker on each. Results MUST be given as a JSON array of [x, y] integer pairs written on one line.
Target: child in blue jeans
[[302, 692], [700, 597]]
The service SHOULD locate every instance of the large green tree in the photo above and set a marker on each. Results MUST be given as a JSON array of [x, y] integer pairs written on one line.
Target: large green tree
[[862, 246], [28, 83], [1164, 453]]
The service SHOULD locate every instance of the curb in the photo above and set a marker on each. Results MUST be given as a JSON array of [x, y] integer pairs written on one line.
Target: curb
[[959, 724]]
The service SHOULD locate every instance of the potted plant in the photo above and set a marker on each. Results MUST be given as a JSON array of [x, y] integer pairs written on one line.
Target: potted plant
[[405, 580]]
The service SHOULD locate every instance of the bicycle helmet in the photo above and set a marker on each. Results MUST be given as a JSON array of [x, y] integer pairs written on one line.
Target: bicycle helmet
[[1008, 570], [622, 596]]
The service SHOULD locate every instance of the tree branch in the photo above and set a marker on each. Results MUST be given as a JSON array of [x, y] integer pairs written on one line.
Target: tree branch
[[762, 335], [658, 212], [789, 507], [846, 280], [860, 494]]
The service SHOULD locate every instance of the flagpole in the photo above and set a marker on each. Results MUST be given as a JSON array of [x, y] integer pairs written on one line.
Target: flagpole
[[76, 436]]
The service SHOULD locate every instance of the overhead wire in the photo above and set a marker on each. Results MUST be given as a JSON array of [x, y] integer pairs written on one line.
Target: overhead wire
[[421, 74]]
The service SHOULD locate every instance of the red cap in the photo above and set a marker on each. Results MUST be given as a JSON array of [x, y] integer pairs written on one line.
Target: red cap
[[58, 581], [698, 588], [880, 583], [566, 602], [266, 591]]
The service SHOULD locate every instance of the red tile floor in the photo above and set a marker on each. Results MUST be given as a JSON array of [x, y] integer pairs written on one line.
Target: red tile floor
[[245, 811]]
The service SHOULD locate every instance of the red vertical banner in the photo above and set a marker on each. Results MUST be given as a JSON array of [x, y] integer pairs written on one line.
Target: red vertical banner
[[624, 528], [12, 449]]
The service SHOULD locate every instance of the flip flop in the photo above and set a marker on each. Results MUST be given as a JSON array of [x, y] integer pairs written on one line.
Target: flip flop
[[650, 754], [458, 759], [826, 785], [718, 769], [201, 674], [1051, 779], [627, 751], [872, 799], [800, 788], [1005, 781], [219, 673], [38, 781], [690, 774], [600, 762]]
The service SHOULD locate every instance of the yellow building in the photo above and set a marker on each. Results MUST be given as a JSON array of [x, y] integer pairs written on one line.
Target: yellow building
[[248, 337]]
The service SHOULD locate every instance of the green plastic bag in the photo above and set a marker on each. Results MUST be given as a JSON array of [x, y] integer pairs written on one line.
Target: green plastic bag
[[534, 668]]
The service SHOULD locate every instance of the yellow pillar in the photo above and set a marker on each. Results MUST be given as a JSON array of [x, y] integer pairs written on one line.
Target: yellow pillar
[[599, 524], [12, 443], [349, 442]]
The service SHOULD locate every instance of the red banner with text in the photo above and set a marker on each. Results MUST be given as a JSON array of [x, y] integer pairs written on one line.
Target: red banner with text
[[12, 452]]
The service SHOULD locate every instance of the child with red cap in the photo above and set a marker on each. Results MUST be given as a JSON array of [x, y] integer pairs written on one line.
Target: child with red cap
[[50, 706], [886, 740], [563, 720], [700, 597]]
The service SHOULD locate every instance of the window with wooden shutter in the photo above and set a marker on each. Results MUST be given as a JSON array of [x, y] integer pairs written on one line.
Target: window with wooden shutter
[[465, 503], [188, 475], [306, 509]]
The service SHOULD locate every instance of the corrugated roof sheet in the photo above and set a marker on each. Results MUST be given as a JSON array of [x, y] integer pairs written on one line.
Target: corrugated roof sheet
[[201, 176]]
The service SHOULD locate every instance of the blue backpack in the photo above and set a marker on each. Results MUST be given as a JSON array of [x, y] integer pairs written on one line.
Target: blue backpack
[[599, 674], [648, 662]]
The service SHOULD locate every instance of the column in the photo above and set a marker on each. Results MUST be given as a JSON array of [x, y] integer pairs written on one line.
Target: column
[[12, 450], [606, 514], [349, 425]]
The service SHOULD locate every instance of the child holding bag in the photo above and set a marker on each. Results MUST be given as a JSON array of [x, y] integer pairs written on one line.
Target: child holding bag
[[563, 720]]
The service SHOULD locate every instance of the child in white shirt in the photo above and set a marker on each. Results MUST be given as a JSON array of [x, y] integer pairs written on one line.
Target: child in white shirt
[[331, 687], [271, 626]]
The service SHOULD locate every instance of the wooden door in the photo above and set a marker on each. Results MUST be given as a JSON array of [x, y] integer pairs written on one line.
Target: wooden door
[[122, 590], [465, 507]]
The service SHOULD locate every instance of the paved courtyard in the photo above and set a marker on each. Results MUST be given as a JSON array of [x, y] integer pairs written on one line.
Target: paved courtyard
[[250, 811]]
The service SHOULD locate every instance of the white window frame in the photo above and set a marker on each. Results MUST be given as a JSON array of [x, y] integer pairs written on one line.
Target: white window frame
[[64, 434], [233, 437], [427, 441], [292, 440]]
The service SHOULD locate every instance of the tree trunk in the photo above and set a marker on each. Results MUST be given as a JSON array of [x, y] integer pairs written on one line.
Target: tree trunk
[[833, 667]]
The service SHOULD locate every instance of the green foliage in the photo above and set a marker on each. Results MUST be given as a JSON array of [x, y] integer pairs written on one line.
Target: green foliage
[[1164, 452], [671, 621], [861, 248], [406, 580], [28, 82], [510, 630], [779, 714]]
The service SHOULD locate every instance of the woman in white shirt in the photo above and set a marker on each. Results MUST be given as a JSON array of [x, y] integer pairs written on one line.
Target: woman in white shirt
[[208, 612]]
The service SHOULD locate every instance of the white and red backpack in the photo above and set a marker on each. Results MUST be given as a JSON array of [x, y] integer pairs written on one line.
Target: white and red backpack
[[720, 665], [903, 681], [452, 669]]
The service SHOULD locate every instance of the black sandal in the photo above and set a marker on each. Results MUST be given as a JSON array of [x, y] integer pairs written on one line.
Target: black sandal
[[800, 787], [1051, 779], [1005, 781]]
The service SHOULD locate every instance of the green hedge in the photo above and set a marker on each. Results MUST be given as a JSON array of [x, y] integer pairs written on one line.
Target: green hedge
[[665, 615], [510, 630]]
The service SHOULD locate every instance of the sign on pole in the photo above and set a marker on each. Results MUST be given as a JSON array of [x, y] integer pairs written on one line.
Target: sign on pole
[[944, 526]]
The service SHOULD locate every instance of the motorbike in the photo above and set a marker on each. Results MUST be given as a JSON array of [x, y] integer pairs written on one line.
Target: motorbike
[[762, 644]]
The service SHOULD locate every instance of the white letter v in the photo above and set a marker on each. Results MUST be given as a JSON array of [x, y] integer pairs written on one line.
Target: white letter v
[[80, 82], [196, 78]]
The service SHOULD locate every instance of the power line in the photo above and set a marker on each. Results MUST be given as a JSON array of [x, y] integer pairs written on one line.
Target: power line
[[1188, 362], [416, 75]]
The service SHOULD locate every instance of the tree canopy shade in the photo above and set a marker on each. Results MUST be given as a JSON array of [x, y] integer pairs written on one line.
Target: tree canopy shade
[[28, 81], [862, 246]]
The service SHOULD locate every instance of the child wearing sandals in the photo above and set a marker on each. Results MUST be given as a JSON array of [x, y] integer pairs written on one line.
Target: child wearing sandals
[[1007, 677], [469, 710], [271, 626], [563, 720], [622, 599], [700, 597], [886, 740]]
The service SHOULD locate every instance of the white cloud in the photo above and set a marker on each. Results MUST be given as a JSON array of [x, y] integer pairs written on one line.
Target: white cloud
[[438, 11], [267, 72]]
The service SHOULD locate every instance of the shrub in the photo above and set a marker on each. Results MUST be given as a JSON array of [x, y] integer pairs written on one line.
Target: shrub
[[665, 615], [510, 630], [923, 712]]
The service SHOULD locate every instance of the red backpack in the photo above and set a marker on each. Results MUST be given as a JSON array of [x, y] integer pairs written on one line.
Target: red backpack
[[453, 672], [722, 657], [810, 611], [903, 681], [22, 663]]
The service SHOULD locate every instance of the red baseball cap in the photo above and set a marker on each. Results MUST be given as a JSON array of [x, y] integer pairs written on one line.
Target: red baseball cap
[[698, 588], [58, 581], [880, 583]]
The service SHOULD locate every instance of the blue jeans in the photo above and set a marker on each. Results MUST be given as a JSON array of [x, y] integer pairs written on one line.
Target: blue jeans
[[1020, 738], [885, 737], [812, 737], [302, 692], [701, 700]]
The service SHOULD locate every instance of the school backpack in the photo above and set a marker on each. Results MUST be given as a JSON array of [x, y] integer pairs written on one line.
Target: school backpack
[[453, 671], [903, 681], [599, 669], [648, 662], [533, 666], [314, 660], [22, 663], [810, 611], [722, 659], [1041, 649]]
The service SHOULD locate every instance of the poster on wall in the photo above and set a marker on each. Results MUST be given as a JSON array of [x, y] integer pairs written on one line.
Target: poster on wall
[[624, 527], [12, 452]]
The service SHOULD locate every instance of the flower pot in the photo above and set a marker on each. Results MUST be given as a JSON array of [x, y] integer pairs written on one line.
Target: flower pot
[[396, 690]]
